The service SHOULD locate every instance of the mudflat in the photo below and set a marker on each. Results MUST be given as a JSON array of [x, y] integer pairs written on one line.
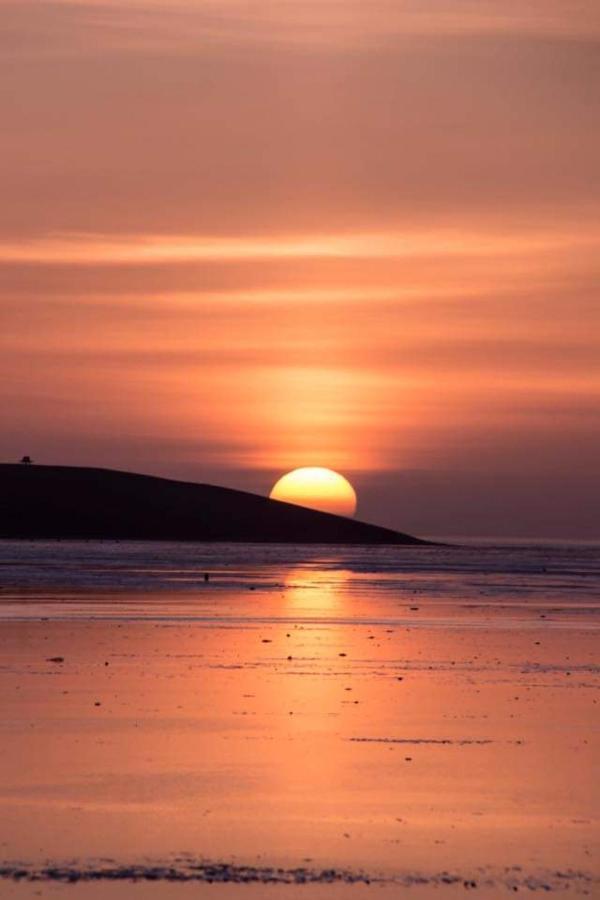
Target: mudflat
[[325, 728]]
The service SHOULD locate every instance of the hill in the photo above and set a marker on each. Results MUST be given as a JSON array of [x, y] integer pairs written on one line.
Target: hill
[[84, 503]]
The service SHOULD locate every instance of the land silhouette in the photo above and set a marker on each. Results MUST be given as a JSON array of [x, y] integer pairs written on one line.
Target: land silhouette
[[92, 503]]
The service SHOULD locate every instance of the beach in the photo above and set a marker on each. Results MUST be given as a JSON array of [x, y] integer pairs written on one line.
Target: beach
[[261, 721]]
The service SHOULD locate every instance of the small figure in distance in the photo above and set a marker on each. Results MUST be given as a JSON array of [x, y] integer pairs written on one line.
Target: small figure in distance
[[26, 461]]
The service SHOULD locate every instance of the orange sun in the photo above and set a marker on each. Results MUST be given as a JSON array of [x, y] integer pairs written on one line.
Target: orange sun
[[317, 488]]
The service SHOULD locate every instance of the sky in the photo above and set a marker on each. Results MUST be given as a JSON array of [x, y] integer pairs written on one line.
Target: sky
[[240, 236]]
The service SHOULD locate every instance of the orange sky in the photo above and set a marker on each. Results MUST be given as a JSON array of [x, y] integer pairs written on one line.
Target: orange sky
[[240, 237]]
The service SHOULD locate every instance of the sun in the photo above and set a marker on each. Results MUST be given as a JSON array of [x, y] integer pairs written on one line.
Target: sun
[[317, 488]]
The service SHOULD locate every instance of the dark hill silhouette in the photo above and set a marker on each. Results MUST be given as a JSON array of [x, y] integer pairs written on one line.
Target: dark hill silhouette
[[72, 502]]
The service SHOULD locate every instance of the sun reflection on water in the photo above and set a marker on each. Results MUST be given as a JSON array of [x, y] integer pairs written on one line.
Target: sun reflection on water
[[316, 589]]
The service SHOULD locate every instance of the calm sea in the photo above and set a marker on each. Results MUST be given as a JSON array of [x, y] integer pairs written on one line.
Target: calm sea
[[91, 578]]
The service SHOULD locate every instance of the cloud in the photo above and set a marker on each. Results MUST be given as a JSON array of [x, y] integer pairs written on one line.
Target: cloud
[[69, 28], [242, 236], [431, 129], [83, 249]]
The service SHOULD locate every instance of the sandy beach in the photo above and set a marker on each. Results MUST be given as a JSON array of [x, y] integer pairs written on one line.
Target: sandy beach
[[316, 728]]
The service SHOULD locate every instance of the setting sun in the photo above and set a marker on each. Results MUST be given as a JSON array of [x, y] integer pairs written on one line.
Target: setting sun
[[317, 488]]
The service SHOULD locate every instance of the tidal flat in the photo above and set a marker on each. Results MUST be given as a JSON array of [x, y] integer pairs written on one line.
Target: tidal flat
[[305, 722]]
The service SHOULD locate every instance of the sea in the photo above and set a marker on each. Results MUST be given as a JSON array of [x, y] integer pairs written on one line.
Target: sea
[[66, 579]]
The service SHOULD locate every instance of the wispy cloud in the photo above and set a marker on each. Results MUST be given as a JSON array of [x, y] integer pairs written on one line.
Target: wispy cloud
[[85, 249], [157, 25]]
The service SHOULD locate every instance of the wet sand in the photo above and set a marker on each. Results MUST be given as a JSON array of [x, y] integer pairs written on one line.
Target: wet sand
[[274, 743]]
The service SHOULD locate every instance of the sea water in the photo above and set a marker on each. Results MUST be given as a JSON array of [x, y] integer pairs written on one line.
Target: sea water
[[40, 576]]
